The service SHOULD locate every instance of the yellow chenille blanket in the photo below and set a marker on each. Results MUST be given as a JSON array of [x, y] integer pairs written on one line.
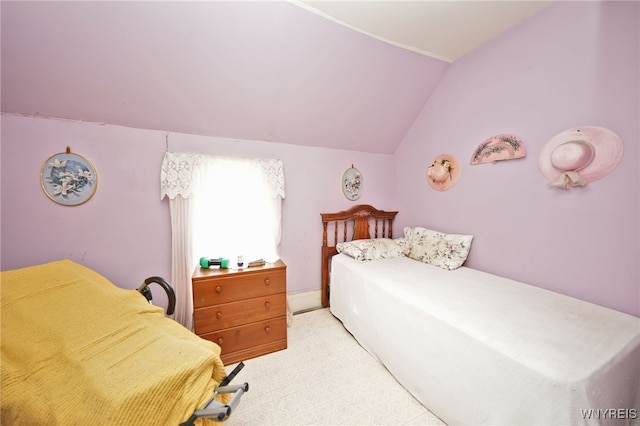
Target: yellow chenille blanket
[[78, 350]]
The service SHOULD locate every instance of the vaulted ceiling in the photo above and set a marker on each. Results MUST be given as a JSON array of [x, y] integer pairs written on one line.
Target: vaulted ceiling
[[443, 29], [340, 74]]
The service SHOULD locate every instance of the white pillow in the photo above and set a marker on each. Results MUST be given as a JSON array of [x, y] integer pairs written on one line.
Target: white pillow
[[447, 251]]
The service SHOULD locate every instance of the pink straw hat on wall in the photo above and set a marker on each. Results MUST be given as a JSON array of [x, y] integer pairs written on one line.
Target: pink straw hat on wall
[[444, 172], [580, 156]]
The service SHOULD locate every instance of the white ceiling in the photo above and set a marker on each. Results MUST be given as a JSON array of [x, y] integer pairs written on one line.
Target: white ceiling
[[442, 29], [256, 70]]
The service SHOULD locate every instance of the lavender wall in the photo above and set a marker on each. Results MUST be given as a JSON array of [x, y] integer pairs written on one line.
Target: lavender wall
[[573, 64], [124, 232]]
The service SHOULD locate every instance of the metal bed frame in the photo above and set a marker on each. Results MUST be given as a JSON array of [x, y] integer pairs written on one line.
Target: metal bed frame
[[212, 409]]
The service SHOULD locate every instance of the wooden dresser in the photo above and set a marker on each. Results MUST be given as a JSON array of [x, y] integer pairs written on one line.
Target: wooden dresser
[[243, 311]]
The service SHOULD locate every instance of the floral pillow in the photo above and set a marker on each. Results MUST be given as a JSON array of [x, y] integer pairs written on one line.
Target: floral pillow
[[447, 251], [371, 249], [351, 250], [408, 235]]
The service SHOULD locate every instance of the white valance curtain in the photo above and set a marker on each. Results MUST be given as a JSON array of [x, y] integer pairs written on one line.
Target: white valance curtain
[[220, 207], [181, 172]]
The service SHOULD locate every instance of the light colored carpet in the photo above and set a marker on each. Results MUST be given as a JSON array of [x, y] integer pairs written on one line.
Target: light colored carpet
[[324, 377]]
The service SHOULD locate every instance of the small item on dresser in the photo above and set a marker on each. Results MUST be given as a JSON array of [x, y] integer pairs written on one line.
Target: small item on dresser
[[258, 262], [222, 262], [240, 261]]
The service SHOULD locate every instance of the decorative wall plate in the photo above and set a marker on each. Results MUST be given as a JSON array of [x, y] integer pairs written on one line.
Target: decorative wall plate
[[352, 183], [498, 148], [68, 179]]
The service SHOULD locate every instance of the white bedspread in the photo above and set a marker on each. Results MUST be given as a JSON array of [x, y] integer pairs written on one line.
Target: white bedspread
[[476, 348]]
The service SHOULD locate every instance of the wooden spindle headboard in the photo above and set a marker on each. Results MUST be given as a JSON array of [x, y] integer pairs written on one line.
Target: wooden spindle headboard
[[353, 224]]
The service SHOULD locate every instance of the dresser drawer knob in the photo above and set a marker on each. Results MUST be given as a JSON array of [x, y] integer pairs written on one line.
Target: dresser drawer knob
[[267, 281], [267, 329], [218, 314], [267, 305], [220, 341], [218, 289]]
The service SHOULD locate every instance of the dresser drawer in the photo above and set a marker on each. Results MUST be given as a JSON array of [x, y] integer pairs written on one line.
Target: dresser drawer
[[248, 336], [234, 314], [214, 291]]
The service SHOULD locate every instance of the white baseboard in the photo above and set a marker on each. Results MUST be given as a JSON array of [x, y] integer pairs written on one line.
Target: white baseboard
[[305, 301]]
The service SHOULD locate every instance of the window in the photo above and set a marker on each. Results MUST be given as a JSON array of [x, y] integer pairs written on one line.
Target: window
[[220, 207]]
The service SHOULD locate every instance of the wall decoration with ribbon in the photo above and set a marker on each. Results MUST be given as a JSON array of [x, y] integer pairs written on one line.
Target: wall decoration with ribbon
[[68, 179], [444, 172], [579, 156]]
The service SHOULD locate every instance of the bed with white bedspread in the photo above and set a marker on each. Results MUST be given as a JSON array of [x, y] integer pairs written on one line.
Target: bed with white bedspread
[[476, 348]]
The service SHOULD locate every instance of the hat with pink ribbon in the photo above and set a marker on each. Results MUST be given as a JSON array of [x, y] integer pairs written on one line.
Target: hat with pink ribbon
[[579, 156], [444, 172]]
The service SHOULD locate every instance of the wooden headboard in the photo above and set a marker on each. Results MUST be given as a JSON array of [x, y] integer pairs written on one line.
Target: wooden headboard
[[362, 217]]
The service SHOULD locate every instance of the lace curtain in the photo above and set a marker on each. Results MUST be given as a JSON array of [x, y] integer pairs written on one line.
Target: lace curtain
[[220, 207], [181, 172]]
